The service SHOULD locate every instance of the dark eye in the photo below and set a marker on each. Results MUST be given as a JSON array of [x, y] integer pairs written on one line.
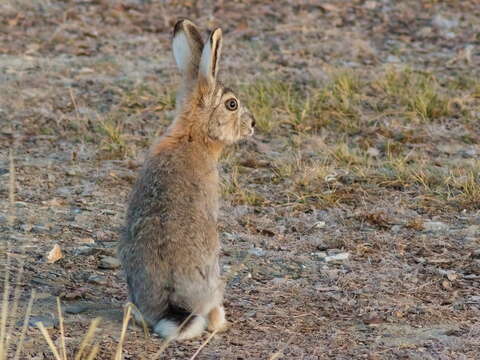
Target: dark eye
[[231, 104]]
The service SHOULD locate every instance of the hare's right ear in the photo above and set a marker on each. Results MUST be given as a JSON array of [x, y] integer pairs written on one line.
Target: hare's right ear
[[208, 69], [187, 47]]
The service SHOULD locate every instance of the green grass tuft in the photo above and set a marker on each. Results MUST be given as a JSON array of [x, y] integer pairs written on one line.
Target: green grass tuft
[[276, 102]]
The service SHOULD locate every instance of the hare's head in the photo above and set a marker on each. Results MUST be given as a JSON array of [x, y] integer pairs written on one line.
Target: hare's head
[[212, 110]]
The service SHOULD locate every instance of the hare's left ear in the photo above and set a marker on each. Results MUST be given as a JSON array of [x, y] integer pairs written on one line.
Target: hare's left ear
[[208, 68], [187, 47]]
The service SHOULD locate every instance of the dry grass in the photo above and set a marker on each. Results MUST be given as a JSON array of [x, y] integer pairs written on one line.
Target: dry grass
[[276, 102], [145, 98], [351, 103], [87, 349], [9, 314], [113, 144], [417, 92]]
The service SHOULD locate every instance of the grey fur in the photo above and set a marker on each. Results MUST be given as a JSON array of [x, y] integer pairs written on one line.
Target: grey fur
[[170, 247]]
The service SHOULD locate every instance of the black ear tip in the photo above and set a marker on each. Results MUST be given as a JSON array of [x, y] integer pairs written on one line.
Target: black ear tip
[[178, 26], [181, 23], [184, 24], [216, 35]]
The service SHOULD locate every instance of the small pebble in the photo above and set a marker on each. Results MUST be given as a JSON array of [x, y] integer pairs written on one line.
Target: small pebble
[[109, 262], [40, 228], [87, 240], [337, 257], [48, 321], [26, 227], [434, 226], [443, 23], [55, 254], [316, 241], [396, 229], [473, 230], [373, 152], [85, 251], [96, 279], [76, 309], [256, 251], [279, 281]]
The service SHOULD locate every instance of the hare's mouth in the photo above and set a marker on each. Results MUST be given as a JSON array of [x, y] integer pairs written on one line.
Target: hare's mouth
[[247, 132], [251, 125]]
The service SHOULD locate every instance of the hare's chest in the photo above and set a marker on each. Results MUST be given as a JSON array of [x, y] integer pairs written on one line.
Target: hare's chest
[[204, 181], [211, 199]]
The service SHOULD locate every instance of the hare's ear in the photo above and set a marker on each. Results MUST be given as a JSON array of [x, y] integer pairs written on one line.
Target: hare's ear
[[210, 56], [187, 47]]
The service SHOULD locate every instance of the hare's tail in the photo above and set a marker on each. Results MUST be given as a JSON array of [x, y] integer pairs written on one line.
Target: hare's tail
[[178, 324]]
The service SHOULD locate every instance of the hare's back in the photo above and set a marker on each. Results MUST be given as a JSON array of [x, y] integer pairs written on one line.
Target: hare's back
[[172, 209]]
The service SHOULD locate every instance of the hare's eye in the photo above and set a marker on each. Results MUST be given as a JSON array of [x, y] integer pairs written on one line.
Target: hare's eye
[[231, 104]]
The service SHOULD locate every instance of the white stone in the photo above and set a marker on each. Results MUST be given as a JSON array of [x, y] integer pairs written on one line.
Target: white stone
[[435, 226], [337, 257]]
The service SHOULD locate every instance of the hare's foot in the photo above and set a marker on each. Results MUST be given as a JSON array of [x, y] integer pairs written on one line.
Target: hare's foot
[[171, 330], [216, 319]]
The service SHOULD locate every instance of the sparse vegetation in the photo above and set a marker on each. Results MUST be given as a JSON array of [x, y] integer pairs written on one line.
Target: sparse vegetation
[[276, 102], [113, 142], [338, 103], [144, 98]]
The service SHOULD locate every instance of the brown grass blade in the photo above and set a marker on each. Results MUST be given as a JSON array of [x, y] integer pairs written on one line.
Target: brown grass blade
[[88, 337], [62, 332], [14, 309], [11, 189], [279, 353], [25, 326], [126, 319], [4, 313], [50, 343], [203, 345], [93, 353], [139, 314]]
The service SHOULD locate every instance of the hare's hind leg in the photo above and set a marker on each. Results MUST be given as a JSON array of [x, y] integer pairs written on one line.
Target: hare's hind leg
[[216, 319]]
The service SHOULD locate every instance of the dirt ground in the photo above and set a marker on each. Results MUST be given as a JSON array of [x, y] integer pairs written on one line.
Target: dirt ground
[[351, 221]]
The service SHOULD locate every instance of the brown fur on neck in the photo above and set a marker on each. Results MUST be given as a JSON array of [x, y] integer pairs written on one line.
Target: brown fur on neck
[[188, 127]]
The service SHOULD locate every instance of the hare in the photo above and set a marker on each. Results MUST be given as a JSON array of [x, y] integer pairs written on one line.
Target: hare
[[170, 247]]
